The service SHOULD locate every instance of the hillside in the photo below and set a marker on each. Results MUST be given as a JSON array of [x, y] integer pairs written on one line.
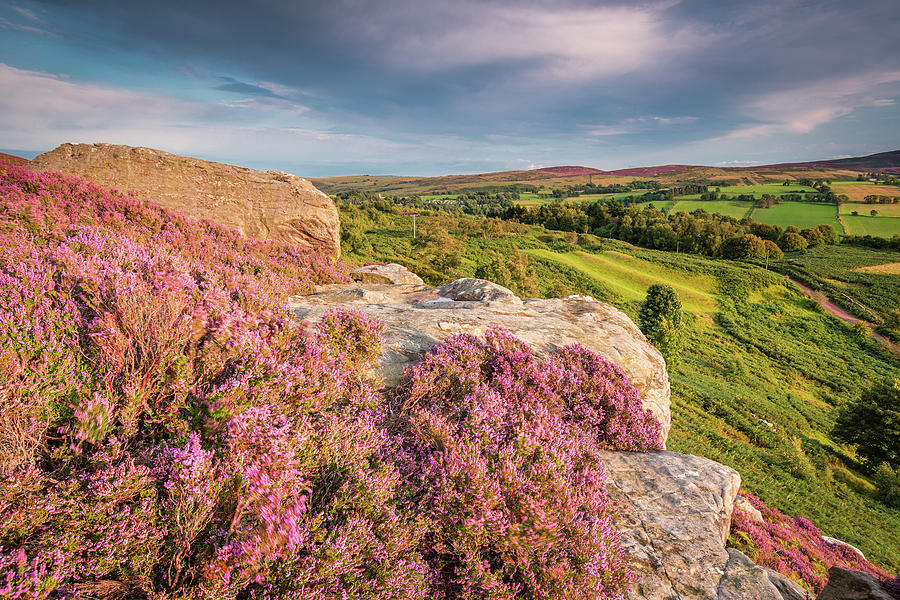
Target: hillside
[[550, 177]]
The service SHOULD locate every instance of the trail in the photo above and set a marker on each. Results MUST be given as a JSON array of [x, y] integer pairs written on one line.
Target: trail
[[840, 313]]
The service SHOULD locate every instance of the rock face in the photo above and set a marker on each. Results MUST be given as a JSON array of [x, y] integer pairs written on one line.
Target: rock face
[[417, 317], [391, 273], [844, 584], [674, 523], [259, 204]]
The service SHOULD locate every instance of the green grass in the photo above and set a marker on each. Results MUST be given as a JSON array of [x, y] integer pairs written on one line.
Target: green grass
[[876, 226], [434, 196], [775, 189], [799, 214], [884, 210], [630, 277], [730, 208]]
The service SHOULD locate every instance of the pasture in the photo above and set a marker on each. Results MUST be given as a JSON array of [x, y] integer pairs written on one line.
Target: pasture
[[630, 277], [858, 190], [774, 189], [884, 210], [799, 214], [730, 208], [879, 226]]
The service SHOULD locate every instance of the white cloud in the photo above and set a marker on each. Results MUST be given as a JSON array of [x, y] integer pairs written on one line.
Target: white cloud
[[557, 42], [802, 108]]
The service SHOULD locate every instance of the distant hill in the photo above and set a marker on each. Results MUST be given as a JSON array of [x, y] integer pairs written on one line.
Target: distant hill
[[556, 177], [882, 161]]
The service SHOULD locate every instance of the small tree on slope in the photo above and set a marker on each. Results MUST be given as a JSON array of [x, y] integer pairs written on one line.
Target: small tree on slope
[[660, 319]]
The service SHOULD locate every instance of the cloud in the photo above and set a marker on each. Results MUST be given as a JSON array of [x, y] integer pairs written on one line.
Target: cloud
[[558, 42], [230, 84], [802, 108]]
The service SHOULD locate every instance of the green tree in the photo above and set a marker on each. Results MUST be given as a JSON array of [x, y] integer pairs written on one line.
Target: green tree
[[660, 319], [872, 423], [792, 242]]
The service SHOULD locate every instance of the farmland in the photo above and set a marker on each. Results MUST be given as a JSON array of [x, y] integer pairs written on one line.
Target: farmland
[[731, 208], [865, 224], [799, 214], [858, 190]]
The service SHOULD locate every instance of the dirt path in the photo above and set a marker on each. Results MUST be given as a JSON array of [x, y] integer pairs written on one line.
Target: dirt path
[[839, 312]]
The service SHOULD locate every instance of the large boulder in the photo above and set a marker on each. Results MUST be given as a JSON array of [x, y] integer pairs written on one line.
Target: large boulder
[[259, 204], [844, 584], [674, 522], [418, 317]]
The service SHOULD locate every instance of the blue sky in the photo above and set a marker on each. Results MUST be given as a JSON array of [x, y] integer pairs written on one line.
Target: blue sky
[[418, 87]]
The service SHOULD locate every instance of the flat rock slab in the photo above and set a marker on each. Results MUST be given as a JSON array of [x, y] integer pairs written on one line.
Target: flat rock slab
[[391, 273], [418, 317], [259, 204]]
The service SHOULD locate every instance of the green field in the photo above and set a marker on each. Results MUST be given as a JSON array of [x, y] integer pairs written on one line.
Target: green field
[[434, 196], [884, 210], [774, 189], [630, 277], [730, 208], [799, 214], [876, 226]]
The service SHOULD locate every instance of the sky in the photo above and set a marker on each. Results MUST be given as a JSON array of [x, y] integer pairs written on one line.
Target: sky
[[423, 87]]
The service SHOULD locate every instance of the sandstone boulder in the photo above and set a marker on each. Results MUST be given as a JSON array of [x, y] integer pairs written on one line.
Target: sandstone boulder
[[743, 505], [844, 584], [391, 273], [744, 580], [259, 204], [417, 317]]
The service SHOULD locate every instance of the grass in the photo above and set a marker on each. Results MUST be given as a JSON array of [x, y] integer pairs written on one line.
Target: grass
[[858, 190], [884, 210], [731, 208], [630, 277], [775, 189], [878, 226], [799, 214]]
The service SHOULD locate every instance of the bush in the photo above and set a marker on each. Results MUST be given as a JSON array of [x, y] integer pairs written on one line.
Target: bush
[[872, 423], [793, 546], [660, 319], [793, 242]]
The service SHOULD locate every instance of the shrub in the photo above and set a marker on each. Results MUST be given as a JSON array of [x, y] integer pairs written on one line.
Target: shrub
[[660, 319], [793, 546], [793, 242], [507, 447], [872, 423]]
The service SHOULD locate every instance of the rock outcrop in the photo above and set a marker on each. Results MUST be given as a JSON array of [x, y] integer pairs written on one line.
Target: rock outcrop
[[417, 317], [259, 204], [391, 273], [674, 524], [844, 584]]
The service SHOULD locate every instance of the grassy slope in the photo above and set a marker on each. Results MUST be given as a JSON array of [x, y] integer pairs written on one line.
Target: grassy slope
[[775, 357]]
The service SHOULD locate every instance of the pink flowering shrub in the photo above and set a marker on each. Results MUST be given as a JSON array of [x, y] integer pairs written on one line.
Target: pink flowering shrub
[[794, 547], [169, 430], [508, 448]]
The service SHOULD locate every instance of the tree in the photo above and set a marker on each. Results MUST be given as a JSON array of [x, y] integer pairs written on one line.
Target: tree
[[873, 212], [793, 242], [660, 319], [872, 423]]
